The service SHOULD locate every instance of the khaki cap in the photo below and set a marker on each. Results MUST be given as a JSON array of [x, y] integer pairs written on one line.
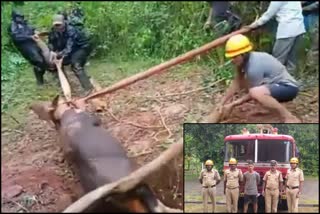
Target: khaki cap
[[58, 19]]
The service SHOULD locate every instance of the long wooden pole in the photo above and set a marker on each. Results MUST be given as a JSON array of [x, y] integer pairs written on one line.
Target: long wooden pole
[[164, 66]]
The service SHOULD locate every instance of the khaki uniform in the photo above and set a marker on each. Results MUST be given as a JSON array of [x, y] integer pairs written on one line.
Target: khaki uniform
[[232, 189], [293, 181], [272, 190], [209, 180]]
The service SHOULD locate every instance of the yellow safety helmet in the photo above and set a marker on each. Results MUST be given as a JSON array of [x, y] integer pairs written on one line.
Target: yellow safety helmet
[[232, 161], [294, 160], [236, 45], [209, 162]]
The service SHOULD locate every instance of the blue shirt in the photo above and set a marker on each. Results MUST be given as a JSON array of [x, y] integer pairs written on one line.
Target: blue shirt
[[264, 69]]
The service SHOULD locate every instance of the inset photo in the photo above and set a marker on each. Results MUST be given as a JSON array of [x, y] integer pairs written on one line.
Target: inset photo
[[251, 168]]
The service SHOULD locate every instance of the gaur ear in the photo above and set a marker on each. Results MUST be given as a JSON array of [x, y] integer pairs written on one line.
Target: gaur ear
[[43, 110], [55, 102]]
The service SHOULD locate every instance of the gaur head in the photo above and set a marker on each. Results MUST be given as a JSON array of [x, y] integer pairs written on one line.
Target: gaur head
[[51, 111]]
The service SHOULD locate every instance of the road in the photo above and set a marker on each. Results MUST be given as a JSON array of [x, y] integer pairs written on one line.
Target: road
[[310, 190]]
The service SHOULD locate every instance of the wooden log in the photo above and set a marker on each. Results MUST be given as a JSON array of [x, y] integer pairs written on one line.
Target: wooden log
[[63, 81], [99, 104], [164, 66]]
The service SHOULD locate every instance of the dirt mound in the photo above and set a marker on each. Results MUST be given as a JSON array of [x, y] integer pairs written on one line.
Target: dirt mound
[[304, 107], [37, 178]]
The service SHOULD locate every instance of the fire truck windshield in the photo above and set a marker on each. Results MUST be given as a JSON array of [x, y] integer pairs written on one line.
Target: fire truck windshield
[[278, 150], [244, 150]]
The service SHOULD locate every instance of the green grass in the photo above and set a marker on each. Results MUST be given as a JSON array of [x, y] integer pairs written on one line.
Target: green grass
[[199, 198], [23, 90], [190, 177], [192, 208], [108, 72], [308, 201], [311, 177]]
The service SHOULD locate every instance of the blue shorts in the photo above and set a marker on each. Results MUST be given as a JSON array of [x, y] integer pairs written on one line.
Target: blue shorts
[[248, 198], [283, 92]]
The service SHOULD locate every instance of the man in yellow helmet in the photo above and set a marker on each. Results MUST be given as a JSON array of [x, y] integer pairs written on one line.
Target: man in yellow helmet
[[209, 178], [293, 184], [232, 179], [262, 75]]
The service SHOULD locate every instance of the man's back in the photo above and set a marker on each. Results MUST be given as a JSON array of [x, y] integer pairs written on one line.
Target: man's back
[[263, 68], [290, 19]]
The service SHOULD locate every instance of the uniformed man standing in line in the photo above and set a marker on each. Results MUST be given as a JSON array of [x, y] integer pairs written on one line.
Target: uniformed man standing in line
[[209, 178], [272, 185], [232, 179], [294, 182]]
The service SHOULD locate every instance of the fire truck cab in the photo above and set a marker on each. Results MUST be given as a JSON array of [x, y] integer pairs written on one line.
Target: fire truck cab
[[261, 148]]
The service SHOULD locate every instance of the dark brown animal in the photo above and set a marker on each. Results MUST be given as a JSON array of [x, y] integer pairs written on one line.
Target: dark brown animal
[[96, 156]]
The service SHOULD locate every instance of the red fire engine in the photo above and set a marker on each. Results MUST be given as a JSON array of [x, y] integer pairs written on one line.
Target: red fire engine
[[261, 147]]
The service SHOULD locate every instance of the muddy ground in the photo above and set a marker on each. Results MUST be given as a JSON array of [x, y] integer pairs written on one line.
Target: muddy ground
[[36, 178], [310, 189]]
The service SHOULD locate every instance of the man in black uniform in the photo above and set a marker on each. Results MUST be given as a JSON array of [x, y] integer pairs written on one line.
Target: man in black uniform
[[221, 19], [73, 45], [77, 17], [22, 36]]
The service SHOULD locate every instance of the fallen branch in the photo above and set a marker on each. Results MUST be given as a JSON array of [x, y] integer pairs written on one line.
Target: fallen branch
[[219, 114], [13, 118], [12, 130], [98, 103], [155, 136], [19, 205], [164, 123], [161, 67], [140, 154], [63, 80], [128, 183], [131, 123], [306, 94], [192, 91], [164, 209]]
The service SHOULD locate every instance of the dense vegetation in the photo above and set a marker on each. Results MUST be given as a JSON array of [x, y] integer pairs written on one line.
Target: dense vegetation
[[125, 31], [203, 141]]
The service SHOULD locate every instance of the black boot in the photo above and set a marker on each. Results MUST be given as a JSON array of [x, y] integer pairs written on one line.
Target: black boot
[[82, 76], [39, 73]]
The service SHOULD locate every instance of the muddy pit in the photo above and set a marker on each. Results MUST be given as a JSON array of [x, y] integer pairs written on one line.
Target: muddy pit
[[36, 178]]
